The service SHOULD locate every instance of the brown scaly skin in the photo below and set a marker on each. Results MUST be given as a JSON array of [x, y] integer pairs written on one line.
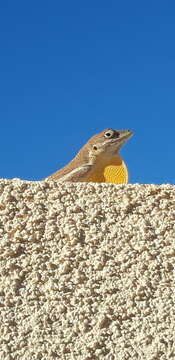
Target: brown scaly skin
[[94, 156]]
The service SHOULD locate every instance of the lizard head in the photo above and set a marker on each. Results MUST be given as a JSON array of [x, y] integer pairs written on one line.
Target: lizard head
[[105, 145]]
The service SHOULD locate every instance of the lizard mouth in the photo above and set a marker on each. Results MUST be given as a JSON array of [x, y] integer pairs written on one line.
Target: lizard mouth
[[123, 137]]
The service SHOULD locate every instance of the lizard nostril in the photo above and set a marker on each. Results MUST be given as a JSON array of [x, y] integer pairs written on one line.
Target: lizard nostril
[[95, 147]]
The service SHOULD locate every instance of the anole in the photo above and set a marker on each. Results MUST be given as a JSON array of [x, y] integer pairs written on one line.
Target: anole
[[98, 160]]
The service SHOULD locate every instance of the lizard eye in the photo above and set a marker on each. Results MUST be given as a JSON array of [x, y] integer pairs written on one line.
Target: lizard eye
[[108, 134], [112, 133]]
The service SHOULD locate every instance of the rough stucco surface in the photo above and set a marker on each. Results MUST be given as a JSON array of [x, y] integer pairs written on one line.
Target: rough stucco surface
[[86, 271]]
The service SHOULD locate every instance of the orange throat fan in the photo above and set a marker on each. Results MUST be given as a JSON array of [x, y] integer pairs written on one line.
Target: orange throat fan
[[115, 173]]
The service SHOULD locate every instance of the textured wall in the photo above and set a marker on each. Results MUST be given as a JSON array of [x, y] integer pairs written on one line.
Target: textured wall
[[86, 271]]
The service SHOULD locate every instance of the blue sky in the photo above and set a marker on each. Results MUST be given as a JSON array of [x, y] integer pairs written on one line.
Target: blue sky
[[69, 69]]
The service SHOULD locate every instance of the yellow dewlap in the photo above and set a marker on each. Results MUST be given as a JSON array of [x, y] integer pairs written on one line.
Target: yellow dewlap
[[115, 173]]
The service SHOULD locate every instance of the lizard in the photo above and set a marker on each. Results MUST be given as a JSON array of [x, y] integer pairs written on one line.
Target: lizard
[[97, 160]]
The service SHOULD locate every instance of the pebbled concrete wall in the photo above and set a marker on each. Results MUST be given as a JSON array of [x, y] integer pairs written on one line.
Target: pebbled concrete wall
[[86, 271]]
